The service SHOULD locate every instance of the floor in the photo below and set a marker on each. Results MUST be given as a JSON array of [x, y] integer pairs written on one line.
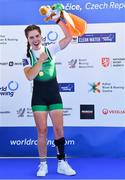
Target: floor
[[86, 168]]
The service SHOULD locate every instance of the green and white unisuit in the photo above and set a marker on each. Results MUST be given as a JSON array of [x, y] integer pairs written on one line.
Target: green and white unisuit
[[48, 68], [46, 96]]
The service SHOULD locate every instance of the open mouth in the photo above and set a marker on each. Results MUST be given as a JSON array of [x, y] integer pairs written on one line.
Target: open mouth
[[36, 43]]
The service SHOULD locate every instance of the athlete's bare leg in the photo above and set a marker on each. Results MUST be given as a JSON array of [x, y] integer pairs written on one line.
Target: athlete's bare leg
[[41, 125], [57, 121]]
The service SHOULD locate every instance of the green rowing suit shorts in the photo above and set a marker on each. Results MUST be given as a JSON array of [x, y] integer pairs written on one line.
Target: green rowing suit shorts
[[46, 96]]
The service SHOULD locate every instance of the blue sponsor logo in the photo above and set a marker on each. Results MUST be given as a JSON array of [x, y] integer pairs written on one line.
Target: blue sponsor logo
[[25, 62], [52, 36], [10, 89], [66, 87], [97, 38], [72, 63], [13, 85], [21, 112]]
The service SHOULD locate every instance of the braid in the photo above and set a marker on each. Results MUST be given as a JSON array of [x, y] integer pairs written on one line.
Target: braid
[[27, 30], [28, 48]]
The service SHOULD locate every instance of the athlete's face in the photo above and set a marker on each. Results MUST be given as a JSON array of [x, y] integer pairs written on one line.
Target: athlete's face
[[34, 38]]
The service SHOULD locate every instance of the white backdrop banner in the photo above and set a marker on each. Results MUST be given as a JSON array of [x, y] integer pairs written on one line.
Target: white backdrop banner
[[91, 73]]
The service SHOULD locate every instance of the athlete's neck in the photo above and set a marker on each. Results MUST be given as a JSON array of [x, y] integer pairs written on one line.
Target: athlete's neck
[[40, 48]]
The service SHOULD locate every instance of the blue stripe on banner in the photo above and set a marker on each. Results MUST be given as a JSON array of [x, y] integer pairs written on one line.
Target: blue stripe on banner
[[13, 12], [97, 38], [80, 141]]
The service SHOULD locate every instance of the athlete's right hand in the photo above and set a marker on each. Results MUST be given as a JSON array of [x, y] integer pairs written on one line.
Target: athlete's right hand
[[43, 57]]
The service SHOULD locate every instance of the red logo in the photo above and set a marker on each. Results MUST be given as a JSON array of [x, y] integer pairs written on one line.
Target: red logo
[[113, 111], [105, 111], [105, 62]]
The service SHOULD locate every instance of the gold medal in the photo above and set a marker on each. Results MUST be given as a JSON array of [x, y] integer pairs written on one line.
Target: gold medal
[[41, 73]]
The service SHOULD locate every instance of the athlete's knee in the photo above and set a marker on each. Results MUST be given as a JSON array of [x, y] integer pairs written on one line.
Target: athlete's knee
[[42, 131], [58, 132]]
